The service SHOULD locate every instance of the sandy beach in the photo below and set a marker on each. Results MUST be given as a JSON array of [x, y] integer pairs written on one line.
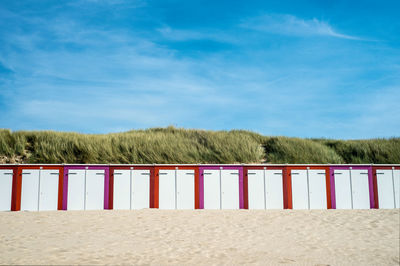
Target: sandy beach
[[334, 237]]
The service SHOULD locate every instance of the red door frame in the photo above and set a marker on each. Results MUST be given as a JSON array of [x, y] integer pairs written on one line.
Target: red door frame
[[177, 167], [375, 180], [311, 167], [262, 167], [14, 168], [130, 167], [18, 183]]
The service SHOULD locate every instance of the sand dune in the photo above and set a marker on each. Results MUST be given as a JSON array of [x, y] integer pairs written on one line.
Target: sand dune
[[335, 237]]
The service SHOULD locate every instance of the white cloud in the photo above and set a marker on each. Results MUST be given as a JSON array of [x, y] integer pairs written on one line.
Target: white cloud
[[285, 24]]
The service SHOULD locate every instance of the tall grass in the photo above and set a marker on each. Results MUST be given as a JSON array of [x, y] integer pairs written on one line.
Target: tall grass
[[296, 150], [172, 145]]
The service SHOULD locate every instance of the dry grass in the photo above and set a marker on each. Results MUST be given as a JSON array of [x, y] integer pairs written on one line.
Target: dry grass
[[172, 145]]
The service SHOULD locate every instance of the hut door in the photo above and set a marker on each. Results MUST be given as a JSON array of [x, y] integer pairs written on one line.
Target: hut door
[[343, 192], [48, 197], [140, 189], [256, 189], [396, 181], [30, 190], [274, 189], [317, 189], [6, 180], [122, 190], [76, 189], [299, 189], [167, 189], [385, 189], [360, 189], [94, 190], [185, 189], [212, 189], [230, 189]]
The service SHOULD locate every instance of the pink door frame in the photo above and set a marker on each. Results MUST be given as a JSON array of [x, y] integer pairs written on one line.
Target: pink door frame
[[354, 167]]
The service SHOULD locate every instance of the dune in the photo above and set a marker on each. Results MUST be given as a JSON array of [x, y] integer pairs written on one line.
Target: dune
[[317, 237]]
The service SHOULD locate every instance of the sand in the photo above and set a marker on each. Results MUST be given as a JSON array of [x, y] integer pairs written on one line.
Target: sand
[[334, 237]]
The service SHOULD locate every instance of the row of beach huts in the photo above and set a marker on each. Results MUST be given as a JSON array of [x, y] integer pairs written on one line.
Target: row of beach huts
[[95, 187]]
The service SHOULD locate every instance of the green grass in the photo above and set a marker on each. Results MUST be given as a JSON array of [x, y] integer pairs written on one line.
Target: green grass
[[172, 145]]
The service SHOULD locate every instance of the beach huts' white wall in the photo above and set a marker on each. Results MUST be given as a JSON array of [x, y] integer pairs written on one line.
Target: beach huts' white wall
[[48, 190], [140, 189], [352, 189], [94, 190], [176, 189], [76, 189], [309, 189], [299, 189], [360, 189], [396, 176], [256, 189], [30, 190], [185, 189], [343, 189], [39, 189], [131, 189], [6, 180], [212, 189], [265, 189], [388, 188], [85, 189], [274, 189], [221, 189], [229, 189], [317, 189], [167, 189], [122, 190]]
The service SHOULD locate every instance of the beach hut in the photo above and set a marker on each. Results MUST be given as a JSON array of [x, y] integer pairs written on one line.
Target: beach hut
[[352, 187], [386, 180], [7, 179], [39, 187], [131, 187], [221, 187], [308, 187], [263, 187], [176, 187], [86, 187]]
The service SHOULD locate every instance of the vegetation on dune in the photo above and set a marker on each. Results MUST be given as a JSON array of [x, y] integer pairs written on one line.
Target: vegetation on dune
[[172, 145]]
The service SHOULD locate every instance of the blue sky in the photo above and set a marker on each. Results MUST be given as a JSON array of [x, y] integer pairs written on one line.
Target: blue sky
[[293, 68]]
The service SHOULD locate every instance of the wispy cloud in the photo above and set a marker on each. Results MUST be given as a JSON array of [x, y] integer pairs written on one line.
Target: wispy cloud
[[285, 24], [135, 69]]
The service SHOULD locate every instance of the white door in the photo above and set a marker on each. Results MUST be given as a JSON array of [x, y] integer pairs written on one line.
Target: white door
[[256, 189], [343, 189], [48, 198], [396, 178], [122, 190], [360, 188], [384, 180], [230, 189], [76, 189], [317, 189], [30, 190], [140, 189], [274, 189], [299, 189], [6, 179], [212, 189], [94, 190], [166, 194], [185, 189]]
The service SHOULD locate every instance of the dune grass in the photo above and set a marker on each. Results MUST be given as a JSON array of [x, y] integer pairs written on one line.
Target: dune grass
[[172, 145]]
